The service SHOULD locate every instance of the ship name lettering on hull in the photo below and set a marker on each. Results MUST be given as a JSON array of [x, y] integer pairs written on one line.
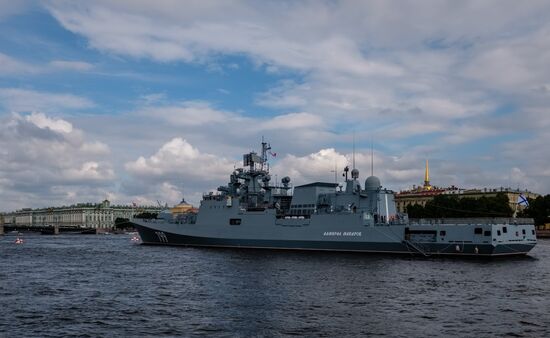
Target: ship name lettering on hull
[[340, 233]]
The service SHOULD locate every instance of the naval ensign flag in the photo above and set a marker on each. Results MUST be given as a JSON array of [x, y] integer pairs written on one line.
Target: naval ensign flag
[[522, 200]]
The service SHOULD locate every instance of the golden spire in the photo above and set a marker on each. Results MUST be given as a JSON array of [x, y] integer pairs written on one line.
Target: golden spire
[[427, 185]]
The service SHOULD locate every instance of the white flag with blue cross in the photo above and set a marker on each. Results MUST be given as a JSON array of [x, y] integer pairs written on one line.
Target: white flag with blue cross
[[522, 200]]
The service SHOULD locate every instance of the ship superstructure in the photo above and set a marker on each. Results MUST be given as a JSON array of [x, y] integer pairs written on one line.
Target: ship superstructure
[[250, 211]]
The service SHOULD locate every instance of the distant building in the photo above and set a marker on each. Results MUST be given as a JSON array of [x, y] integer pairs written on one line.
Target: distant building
[[85, 215], [422, 194]]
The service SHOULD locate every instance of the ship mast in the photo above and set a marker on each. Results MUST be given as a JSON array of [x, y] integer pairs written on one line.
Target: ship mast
[[371, 158], [354, 150], [265, 148]]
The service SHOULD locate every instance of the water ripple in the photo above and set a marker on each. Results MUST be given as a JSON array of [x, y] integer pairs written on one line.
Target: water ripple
[[89, 286]]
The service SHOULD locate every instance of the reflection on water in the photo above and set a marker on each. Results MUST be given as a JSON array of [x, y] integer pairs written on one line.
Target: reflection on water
[[109, 286]]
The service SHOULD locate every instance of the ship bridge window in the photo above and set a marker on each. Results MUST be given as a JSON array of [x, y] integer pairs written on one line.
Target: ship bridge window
[[487, 233], [523, 231], [504, 229], [442, 233], [533, 232], [498, 232], [235, 221], [478, 231]]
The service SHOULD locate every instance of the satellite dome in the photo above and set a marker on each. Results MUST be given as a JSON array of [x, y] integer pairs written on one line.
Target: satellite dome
[[355, 173], [372, 183]]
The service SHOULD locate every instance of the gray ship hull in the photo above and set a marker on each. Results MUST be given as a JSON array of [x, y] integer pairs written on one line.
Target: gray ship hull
[[155, 234]]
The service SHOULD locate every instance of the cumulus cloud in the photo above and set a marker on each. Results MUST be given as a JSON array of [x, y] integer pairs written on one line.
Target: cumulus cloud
[[445, 72], [45, 159], [178, 158], [395, 172], [401, 172], [175, 166], [42, 121], [89, 171], [424, 85], [318, 166], [178, 165]]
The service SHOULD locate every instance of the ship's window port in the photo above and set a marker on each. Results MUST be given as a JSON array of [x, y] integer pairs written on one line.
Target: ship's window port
[[442, 233], [504, 229], [533, 232], [478, 231], [235, 221], [498, 232], [487, 233], [523, 231]]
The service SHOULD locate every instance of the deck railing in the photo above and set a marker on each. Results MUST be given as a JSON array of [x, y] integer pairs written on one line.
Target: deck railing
[[473, 220]]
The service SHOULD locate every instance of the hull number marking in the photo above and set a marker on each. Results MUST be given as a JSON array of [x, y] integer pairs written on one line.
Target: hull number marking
[[161, 236]]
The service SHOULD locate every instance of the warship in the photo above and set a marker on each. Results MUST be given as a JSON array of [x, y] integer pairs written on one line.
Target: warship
[[252, 212]]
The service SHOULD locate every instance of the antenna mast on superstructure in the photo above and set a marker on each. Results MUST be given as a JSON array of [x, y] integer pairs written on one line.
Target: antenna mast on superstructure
[[371, 158], [335, 171], [265, 148], [354, 150]]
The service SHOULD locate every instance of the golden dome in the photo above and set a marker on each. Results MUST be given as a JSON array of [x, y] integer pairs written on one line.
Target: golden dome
[[182, 208]]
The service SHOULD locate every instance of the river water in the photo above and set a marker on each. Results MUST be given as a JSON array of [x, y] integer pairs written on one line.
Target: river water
[[109, 286]]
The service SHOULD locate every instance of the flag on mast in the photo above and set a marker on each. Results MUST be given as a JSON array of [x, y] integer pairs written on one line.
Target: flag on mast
[[522, 200]]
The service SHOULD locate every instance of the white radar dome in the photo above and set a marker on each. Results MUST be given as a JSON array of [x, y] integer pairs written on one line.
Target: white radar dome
[[372, 183]]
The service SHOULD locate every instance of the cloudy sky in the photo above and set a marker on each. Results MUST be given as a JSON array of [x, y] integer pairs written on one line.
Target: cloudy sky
[[139, 101]]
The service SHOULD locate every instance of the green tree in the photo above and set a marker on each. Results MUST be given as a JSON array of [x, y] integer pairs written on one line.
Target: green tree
[[415, 211], [450, 206], [538, 209]]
